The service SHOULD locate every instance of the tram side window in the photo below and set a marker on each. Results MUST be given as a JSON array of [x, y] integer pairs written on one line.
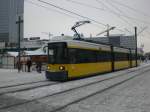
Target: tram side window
[[107, 56], [51, 55], [61, 55], [103, 56], [81, 56], [57, 53], [86, 56], [72, 56], [121, 56]]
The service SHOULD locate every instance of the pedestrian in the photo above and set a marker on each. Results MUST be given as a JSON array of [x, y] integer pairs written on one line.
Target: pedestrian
[[19, 66], [29, 64], [38, 66]]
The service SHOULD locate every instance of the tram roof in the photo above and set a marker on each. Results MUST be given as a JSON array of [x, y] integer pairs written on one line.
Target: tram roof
[[85, 45]]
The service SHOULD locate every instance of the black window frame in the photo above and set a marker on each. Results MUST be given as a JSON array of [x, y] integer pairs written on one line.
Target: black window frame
[[120, 56], [60, 53], [88, 56]]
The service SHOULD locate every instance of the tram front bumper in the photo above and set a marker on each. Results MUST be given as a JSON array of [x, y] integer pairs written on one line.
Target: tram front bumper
[[57, 76]]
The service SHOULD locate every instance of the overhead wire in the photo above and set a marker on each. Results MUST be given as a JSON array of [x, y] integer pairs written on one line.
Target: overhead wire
[[78, 14], [47, 8], [126, 21], [119, 14], [124, 14], [90, 6], [85, 4], [131, 8], [53, 10], [63, 9], [74, 13], [110, 10], [142, 29], [132, 18], [113, 13]]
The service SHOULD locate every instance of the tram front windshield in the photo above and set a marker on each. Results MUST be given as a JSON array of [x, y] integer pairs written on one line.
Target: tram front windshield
[[57, 53]]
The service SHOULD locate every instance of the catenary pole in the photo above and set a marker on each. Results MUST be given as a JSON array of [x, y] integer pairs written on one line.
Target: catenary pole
[[136, 56], [19, 36]]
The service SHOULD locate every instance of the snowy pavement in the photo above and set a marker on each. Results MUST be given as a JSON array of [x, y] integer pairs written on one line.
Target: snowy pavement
[[10, 77], [129, 96], [132, 96]]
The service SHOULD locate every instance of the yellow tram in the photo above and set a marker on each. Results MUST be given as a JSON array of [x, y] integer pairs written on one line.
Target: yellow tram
[[72, 59]]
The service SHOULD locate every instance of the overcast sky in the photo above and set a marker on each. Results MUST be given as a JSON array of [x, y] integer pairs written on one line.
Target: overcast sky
[[123, 14]]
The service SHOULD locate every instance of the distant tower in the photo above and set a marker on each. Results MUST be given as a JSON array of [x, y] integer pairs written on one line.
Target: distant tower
[[9, 12]]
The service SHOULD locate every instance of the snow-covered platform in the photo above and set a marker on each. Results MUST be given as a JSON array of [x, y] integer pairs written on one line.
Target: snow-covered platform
[[13, 77]]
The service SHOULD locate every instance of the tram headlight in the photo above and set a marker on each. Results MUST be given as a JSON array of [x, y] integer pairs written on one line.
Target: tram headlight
[[61, 68], [48, 67]]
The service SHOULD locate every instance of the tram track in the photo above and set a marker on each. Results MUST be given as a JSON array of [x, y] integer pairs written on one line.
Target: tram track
[[31, 85], [21, 84], [95, 93], [25, 87], [75, 88]]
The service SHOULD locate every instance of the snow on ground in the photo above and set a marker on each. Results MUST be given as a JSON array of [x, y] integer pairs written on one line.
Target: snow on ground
[[47, 90], [12, 77], [132, 96]]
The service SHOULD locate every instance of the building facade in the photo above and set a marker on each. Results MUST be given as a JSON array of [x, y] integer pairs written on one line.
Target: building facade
[[120, 41], [9, 12]]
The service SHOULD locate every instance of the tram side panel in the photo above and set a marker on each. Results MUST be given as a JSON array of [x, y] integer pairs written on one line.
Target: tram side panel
[[121, 58], [86, 62]]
